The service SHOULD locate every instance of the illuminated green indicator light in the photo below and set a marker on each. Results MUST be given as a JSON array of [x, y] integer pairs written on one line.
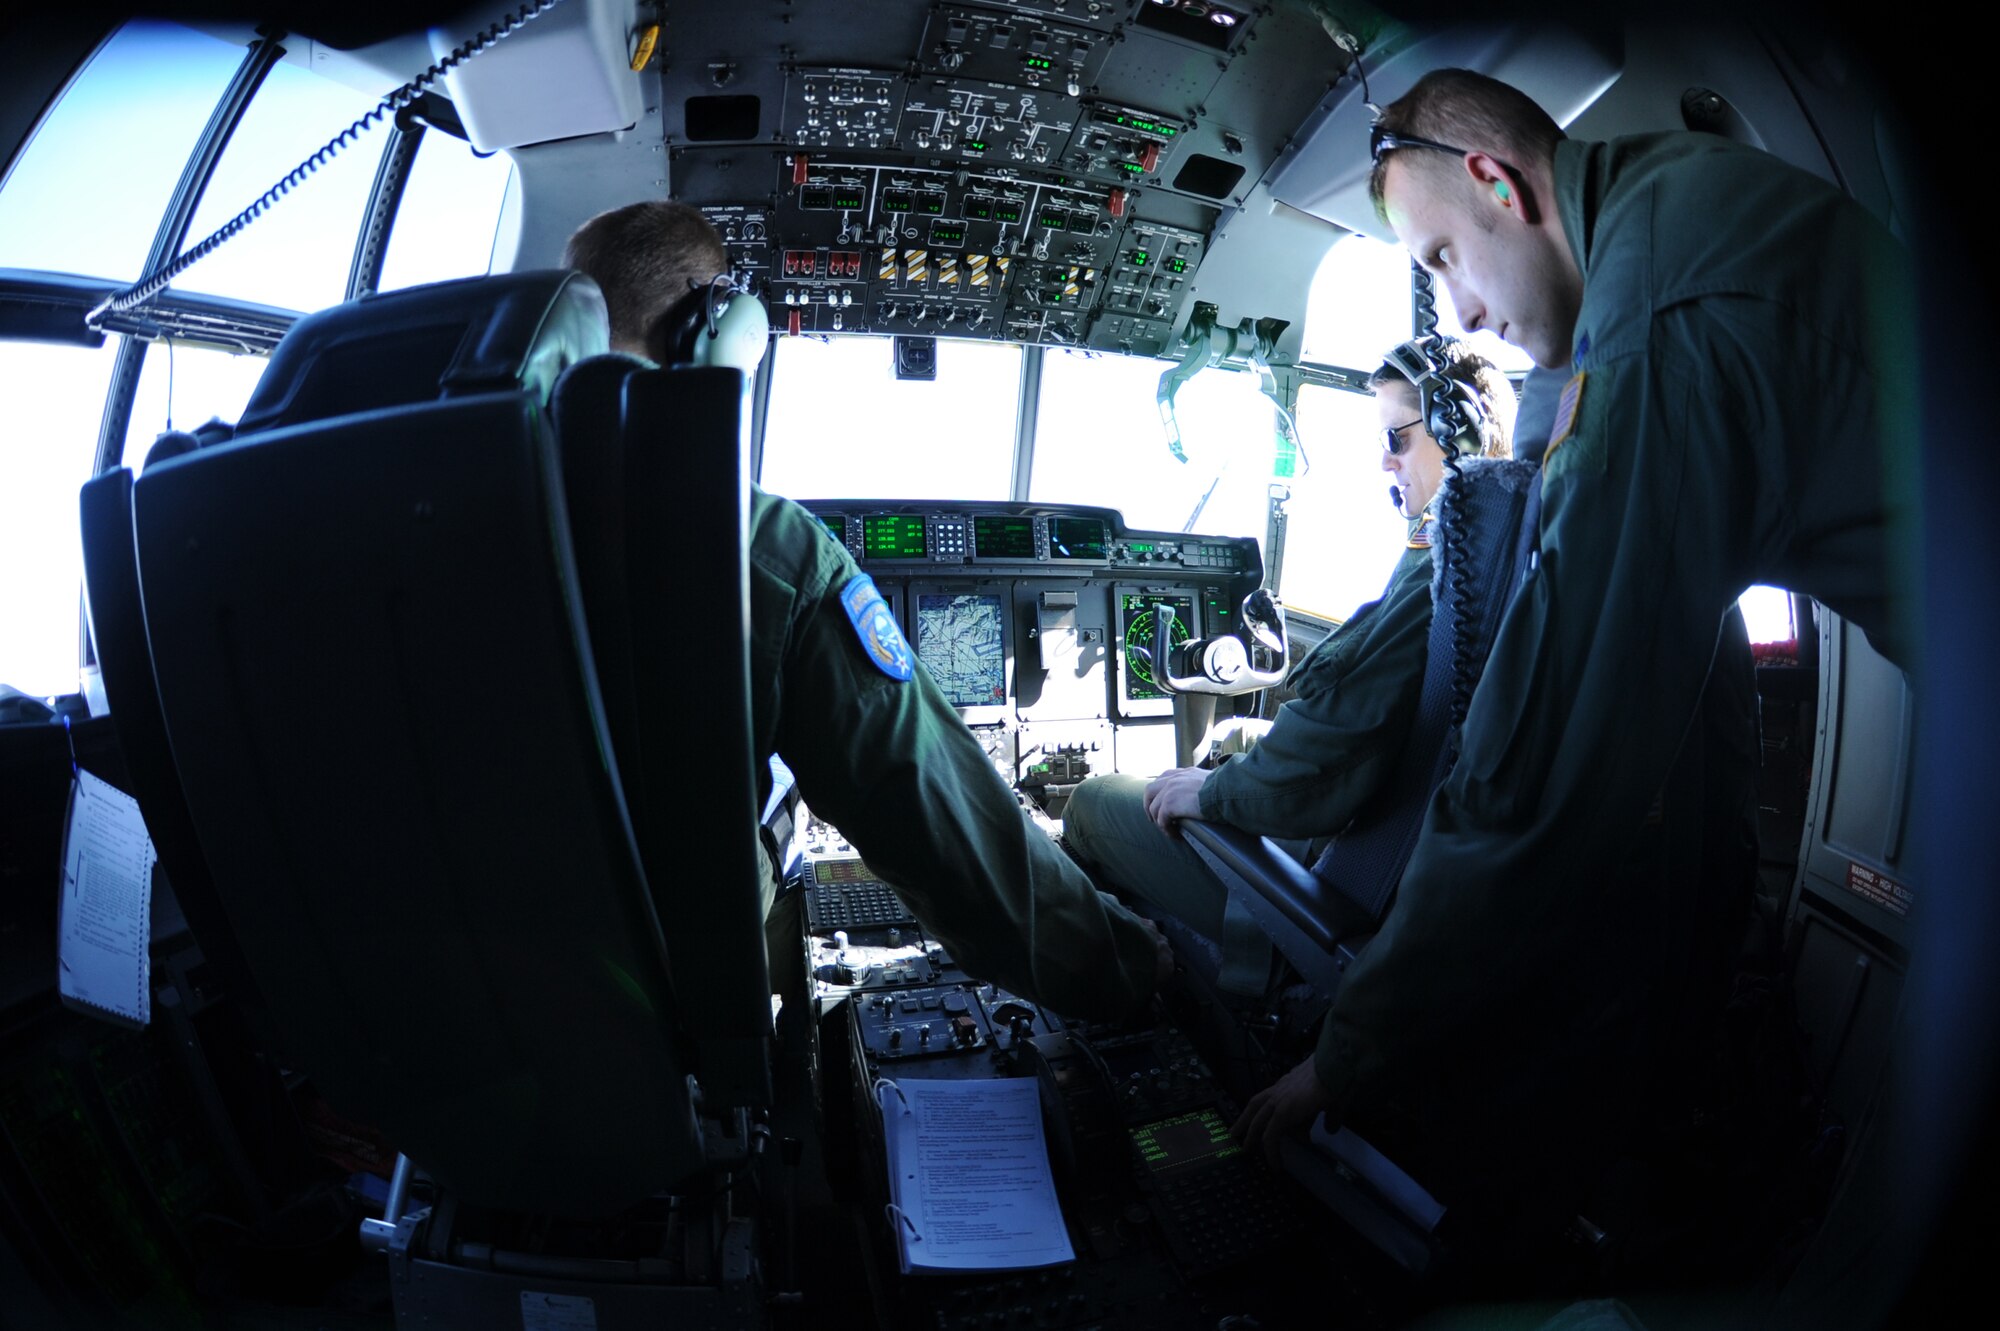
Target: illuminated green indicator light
[[847, 202], [1132, 168], [1177, 265], [1034, 62], [1140, 547], [1140, 258], [895, 203], [977, 211], [1052, 220], [976, 146], [932, 203]]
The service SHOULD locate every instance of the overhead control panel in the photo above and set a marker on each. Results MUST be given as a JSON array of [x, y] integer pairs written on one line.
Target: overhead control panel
[[1033, 51], [832, 107], [1148, 280], [1044, 171], [859, 247]]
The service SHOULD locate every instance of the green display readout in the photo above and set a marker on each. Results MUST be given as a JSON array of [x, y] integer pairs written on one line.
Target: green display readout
[[1053, 218], [1076, 538], [1140, 547], [1177, 265], [930, 204], [1083, 222], [1187, 1139], [975, 145], [1038, 62], [1007, 212], [1142, 125], [892, 536], [835, 524], [1004, 538], [896, 203], [815, 198], [979, 210], [1132, 168], [1140, 258], [953, 236], [848, 200]]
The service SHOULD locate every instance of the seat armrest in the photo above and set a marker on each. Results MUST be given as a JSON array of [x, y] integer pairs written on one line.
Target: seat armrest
[[1254, 864]]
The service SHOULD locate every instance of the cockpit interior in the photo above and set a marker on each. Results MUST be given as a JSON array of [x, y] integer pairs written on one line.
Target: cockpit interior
[[400, 660]]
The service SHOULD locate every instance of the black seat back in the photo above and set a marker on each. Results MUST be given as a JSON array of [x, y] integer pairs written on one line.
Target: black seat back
[[1492, 543], [381, 699], [655, 473]]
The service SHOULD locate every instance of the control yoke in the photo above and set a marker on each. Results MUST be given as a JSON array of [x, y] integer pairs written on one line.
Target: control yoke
[[1228, 663]]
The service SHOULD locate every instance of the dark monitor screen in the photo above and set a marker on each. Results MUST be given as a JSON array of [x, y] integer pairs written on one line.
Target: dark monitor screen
[[961, 639], [1004, 538], [1076, 538], [835, 524], [892, 536], [1135, 617]]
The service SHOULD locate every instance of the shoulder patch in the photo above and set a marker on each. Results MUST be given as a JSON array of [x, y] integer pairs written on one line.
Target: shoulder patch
[[876, 627], [1566, 411], [1420, 532]]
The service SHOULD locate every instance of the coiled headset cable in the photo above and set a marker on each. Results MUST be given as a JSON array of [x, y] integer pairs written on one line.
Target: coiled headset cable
[[157, 281], [1446, 418]]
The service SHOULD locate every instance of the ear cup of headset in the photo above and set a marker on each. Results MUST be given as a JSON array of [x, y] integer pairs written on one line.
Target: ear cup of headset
[[684, 325], [742, 331]]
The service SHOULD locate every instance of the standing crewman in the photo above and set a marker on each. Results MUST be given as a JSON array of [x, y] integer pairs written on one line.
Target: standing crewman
[[837, 693], [1733, 335]]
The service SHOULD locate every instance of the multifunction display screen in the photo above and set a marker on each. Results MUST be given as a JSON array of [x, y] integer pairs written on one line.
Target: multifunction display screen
[[961, 641], [1187, 1139], [1136, 613], [1004, 538], [892, 536], [836, 526], [1076, 538]]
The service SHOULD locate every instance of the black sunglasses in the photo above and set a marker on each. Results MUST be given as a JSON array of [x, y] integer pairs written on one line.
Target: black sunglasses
[[1381, 140], [1392, 440]]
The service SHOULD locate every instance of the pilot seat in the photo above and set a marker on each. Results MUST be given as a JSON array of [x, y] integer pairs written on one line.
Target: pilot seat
[[419, 648]]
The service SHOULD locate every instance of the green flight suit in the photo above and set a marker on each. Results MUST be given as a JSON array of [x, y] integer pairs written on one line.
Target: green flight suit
[[1740, 383], [1333, 746], [890, 764]]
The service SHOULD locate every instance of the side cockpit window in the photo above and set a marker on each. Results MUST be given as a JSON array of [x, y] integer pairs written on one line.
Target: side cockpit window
[[84, 197]]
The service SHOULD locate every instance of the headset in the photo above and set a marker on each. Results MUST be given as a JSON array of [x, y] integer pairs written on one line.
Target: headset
[[1411, 361], [718, 323]]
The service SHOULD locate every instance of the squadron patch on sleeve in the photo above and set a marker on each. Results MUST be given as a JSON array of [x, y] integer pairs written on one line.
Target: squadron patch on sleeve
[[1566, 412], [876, 627]]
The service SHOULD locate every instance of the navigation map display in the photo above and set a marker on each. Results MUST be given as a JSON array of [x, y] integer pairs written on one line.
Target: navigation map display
[[961, 640], [1135, 615]]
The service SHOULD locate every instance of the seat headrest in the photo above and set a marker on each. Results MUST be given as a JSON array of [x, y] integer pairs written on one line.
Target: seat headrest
[[477, 335]]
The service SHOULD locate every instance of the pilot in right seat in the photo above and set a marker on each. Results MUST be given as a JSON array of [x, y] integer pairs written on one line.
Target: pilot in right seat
[[1333, 745], [838, 694]]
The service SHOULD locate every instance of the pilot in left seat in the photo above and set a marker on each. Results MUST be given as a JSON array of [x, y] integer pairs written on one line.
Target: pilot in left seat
[[837, 692]]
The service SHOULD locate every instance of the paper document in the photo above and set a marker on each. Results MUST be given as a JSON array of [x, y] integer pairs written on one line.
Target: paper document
[[105, 920], [969, 1182]]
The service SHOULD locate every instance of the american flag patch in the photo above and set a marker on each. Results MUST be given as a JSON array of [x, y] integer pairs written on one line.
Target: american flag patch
[[1566, 410], [1420, 535]]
